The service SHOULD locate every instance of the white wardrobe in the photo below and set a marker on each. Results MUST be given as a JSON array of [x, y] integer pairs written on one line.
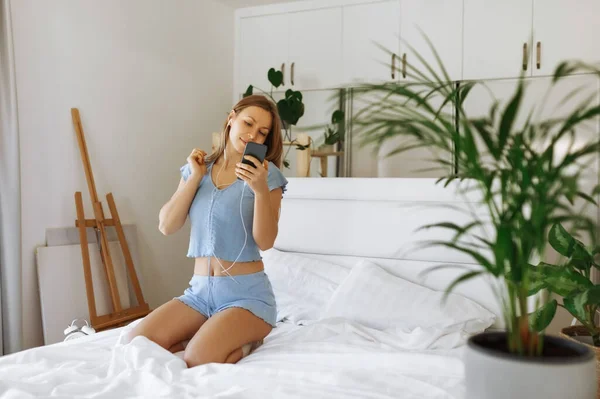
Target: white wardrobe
[[324, 46]]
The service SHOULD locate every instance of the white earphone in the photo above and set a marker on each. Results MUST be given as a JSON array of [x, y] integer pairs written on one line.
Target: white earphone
[[73, 331]]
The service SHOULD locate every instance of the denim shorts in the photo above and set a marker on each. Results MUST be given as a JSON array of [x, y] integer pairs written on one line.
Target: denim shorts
[[211, 294]]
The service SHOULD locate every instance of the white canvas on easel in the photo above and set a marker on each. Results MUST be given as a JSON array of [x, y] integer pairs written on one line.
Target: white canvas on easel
[[70, 236], [62, 286]]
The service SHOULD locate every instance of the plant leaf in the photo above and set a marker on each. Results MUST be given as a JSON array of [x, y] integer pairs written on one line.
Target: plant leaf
[[561, 240], [586, 197], [459, 280], [337, 116], [484, 128], [589, 297], [503, 251], [563, 280], [248, 91], [480, 259], [537, 281], [509, 117], [577, 303], [563, 69], [579, 313], [463, 92], [565, 244], [291, 108], [541, 318], [275, 77]]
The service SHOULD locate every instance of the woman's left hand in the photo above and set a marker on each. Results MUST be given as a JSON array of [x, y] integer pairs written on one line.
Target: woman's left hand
[[255, 177]]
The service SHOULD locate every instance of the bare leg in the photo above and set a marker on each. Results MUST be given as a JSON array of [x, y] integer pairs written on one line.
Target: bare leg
[[170, 324], [234, 356], [176, 348], [221, 338]]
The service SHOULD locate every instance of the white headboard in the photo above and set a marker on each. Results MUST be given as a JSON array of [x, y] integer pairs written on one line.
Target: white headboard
[[347, 219]]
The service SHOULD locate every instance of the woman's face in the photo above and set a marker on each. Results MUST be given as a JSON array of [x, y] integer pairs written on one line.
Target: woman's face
[[250, 124]]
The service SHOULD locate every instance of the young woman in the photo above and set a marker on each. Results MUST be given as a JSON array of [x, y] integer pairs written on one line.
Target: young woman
[[229, 306]]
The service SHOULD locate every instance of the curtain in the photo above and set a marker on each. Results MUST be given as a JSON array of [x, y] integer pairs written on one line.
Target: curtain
[[10, 194]]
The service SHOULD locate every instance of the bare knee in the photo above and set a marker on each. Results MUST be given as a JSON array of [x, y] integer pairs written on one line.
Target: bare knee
[[136, 332], [140, 332], [193, 358], [196, 357]]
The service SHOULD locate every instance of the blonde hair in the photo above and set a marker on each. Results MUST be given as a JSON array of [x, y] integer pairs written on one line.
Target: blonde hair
[[273, 141]]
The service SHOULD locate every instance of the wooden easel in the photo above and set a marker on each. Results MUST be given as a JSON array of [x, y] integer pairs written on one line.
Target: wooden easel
[[119, 316]]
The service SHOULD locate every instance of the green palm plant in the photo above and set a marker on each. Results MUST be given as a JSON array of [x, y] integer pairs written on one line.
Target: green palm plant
[[526, 184]]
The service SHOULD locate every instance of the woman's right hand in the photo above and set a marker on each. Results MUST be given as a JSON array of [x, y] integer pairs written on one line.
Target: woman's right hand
[[196, 162]]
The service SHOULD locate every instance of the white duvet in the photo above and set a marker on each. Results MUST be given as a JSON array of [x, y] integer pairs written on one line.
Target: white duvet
[[332, 358]]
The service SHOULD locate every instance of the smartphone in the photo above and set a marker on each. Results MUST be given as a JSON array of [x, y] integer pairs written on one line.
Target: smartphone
[[258, 151]]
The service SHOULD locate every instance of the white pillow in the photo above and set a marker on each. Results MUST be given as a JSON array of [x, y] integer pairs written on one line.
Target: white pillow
[[302, 285], [375, 298]]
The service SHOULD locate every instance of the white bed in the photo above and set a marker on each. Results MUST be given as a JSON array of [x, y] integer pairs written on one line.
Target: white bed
[[341, 221]]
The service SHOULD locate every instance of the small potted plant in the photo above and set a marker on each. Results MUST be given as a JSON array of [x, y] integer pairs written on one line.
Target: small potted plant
[[527, 184], [572, 280], [333, 133]]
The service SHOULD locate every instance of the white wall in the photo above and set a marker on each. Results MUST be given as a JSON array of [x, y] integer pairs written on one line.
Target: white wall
[[252, 3], [152, 79]]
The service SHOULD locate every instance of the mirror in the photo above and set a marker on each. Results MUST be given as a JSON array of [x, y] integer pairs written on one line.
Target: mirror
[[334, 146]]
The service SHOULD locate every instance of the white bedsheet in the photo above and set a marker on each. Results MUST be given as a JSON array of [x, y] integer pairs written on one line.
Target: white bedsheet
[[331, 358]]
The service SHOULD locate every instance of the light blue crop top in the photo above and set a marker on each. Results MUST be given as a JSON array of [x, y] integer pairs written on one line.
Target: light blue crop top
[[217, 228]]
